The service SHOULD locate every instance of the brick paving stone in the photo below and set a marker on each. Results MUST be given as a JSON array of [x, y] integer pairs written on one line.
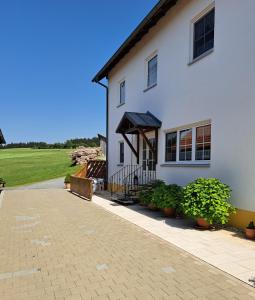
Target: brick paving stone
[[85, 252]]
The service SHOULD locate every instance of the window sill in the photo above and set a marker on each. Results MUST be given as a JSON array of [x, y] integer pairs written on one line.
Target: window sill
[[119, 105], [192, 165], [150, 87], [200, 57], [120, 165]]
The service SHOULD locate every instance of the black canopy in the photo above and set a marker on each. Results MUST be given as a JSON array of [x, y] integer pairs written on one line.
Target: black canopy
[[131, 122]]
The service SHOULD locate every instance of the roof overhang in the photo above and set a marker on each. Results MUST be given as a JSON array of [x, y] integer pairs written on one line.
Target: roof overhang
[[133, 122], [158, 11]]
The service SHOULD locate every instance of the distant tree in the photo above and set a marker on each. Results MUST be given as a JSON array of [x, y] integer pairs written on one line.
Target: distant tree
[[69, 144]]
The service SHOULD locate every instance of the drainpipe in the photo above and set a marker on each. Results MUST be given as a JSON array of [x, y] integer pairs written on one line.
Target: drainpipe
[[107, 126]]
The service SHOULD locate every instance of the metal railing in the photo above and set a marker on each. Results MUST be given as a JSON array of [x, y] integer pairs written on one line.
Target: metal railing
[[129, 180]]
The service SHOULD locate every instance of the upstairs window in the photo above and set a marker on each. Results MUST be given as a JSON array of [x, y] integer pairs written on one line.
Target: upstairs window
[[122, 92], [204, 34], [121, 144], [152, 71]]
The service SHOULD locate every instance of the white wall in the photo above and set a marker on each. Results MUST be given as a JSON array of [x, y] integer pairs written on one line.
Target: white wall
[[219, 87]]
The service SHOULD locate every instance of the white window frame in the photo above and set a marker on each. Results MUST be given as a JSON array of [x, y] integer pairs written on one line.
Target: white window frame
[[193, 160], [192, 23], [146, 73], [119, 162], [122, 101]]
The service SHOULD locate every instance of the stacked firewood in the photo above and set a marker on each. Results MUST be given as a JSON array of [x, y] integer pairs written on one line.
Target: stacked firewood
[[83, 154]]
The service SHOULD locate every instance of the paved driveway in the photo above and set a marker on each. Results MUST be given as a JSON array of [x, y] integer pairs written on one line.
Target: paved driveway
[[57, 183], [57, 246]]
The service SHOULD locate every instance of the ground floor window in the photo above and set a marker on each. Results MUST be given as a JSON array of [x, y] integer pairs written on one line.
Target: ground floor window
[[121, 155], [185, 145], [171, 143], [203, 142], [190, 144]]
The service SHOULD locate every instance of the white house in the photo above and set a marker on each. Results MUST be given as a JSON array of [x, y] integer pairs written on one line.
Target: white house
[[181, 97]]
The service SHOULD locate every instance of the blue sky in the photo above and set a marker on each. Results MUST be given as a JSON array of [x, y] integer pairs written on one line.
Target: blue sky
[[49, 51]]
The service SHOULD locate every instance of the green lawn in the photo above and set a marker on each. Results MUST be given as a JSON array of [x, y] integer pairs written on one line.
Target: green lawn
[[23, 166]]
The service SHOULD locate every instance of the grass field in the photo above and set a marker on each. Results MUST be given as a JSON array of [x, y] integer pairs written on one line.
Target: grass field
[[23, 166]]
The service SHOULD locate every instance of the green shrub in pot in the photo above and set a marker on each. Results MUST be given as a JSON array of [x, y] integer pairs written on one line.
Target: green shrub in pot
[[145, 195], [168, 198], [208, 199]]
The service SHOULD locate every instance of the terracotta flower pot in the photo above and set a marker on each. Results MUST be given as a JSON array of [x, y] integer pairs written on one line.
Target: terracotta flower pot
[[201, 222], [169, 211], [152, 206], [250, 233]]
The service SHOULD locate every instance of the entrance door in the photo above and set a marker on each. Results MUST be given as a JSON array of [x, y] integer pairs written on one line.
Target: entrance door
[[149, 163]]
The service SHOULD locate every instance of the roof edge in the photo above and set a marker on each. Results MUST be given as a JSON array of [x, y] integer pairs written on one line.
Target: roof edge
[[150, 20]]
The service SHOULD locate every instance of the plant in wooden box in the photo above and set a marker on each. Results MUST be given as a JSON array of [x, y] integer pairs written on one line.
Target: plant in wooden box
[[250, 231], [168, 198], [68, 181], [206, 200]]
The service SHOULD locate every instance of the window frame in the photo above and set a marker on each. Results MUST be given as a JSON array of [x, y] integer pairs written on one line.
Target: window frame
[[122, 101], [166, 146], [146, 71], [148, 84], [121, 162], [198, 17], [193, 160]]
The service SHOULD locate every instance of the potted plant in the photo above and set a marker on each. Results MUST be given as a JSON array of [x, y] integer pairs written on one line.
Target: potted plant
[[68, 181], [168, 198], [207, 200], [250, 231], [145, 195], [2, 182], [156, 185]]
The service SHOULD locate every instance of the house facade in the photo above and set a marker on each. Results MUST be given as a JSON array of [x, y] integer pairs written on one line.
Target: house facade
[[181, 97]]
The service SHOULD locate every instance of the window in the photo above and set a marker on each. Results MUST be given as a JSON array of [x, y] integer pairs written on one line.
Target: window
[[189, 145], [185, 145], [122, 92], [152, 71], [121, 152], [171, 145], [204, 34], [203, 142]]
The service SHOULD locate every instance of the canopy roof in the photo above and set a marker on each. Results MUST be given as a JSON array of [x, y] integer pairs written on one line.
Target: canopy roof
[[158, 11], [2, 140], [131, 122]]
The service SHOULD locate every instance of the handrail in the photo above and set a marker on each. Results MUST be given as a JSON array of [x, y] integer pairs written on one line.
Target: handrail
[[116, 180], [126, 180]]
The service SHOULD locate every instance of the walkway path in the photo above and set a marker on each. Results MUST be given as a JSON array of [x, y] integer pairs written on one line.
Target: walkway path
[[55, 245], [57, 183], [223, 249]]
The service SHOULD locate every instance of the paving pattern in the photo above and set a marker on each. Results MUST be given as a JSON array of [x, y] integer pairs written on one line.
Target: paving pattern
[[55, 245], [225, 249]]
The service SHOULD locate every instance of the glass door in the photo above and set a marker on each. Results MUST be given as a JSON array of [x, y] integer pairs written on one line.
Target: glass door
[[148, 157]]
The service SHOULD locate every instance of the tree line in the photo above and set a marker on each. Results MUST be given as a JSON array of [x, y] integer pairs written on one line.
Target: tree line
[[68, 144]]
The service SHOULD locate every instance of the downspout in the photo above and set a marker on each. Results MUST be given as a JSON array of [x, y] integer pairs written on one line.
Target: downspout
[[107, 126]]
